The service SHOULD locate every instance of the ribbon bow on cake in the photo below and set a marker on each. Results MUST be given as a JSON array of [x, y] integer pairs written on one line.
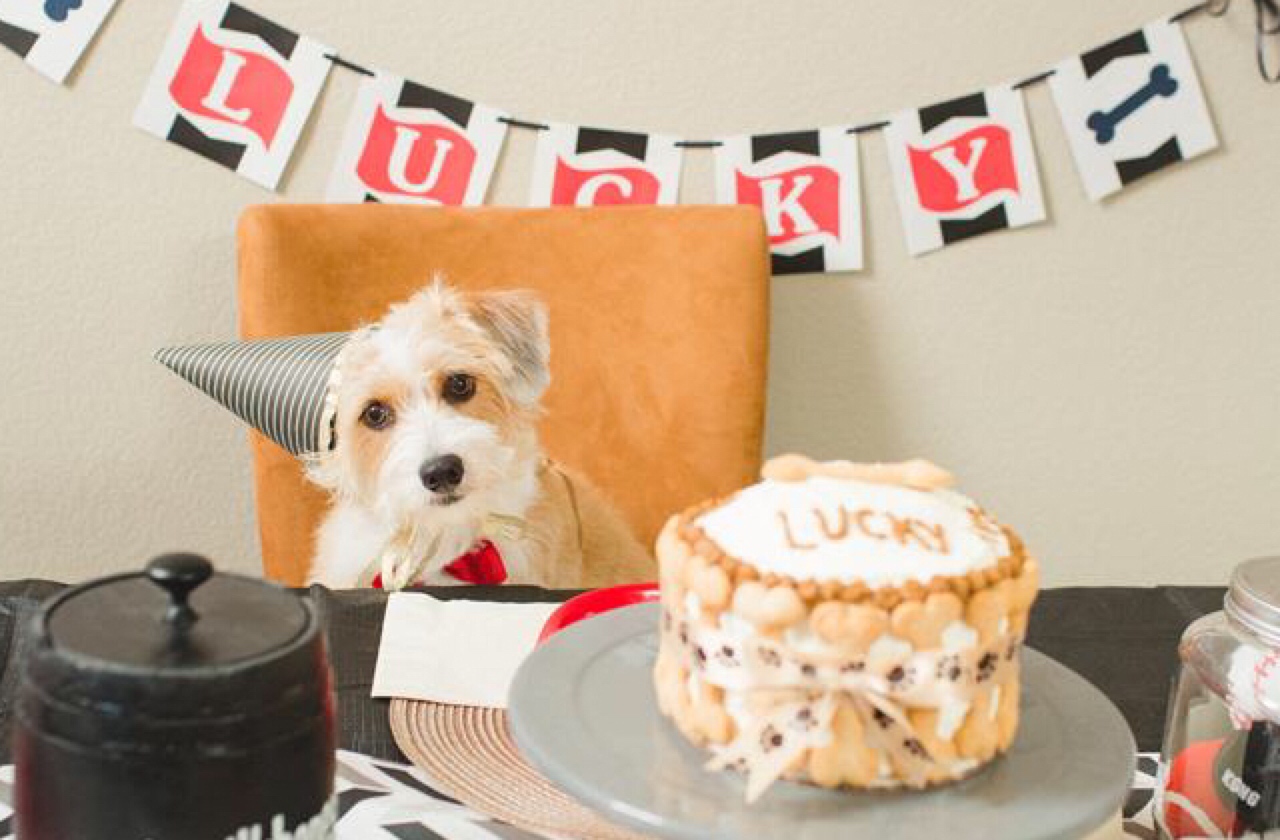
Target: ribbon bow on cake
[[793, 699]]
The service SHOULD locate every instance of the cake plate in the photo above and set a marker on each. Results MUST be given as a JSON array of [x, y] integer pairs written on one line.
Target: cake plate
[[583, 711]]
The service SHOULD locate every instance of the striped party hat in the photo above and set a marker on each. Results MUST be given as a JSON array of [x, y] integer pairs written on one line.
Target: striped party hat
[[277, 385]]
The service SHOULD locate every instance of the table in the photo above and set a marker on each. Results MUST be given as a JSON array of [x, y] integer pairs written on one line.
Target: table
[[1124, 640]]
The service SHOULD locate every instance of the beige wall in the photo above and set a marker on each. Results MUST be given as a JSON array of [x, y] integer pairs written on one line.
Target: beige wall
[[1106, 381]]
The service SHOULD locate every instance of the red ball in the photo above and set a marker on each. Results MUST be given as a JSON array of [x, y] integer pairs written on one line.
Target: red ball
[[1191, 774]]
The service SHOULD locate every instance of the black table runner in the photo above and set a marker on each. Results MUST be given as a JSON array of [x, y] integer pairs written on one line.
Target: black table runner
[[1123, 640]]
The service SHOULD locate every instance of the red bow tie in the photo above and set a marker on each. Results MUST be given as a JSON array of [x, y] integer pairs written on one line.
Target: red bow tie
[[481, 566]]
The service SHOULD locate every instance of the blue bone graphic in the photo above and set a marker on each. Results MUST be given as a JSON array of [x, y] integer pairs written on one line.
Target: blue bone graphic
[[57, 10], [1103, 123]]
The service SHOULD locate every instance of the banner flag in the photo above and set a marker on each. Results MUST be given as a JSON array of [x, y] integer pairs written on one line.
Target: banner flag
[[233, 87], [51, 35], [1132, 107], [410, 144], [807, 185], [963, 168], [593, 167]]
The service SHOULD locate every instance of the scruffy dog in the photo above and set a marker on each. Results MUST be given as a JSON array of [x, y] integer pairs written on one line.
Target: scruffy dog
[[436, 474]]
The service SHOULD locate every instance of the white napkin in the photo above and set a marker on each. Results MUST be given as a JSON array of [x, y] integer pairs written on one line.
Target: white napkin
[[460, 652]]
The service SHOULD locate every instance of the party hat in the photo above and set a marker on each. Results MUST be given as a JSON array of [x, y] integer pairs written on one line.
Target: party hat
[[279, 386]]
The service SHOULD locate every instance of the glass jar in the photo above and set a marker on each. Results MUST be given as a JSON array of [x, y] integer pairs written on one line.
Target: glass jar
[[1220, 762]]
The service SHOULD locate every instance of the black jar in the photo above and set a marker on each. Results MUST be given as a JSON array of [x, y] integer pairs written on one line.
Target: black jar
[[175, 704]]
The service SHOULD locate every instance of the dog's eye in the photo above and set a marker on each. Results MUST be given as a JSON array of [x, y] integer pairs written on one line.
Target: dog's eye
[[377, 415], [459, 387]]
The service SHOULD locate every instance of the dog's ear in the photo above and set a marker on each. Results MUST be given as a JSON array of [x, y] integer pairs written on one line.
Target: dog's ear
[[517, 320]]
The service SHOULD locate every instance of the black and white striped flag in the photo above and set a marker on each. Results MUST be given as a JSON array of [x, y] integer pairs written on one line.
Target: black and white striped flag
[[411, 144], [51, 35], [1132, 107], [593, 167], [276, 385], [234, 88], [964, 167], [806, 185]]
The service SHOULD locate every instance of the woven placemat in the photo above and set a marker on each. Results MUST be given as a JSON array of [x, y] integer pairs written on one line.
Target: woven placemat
[[471, 755]]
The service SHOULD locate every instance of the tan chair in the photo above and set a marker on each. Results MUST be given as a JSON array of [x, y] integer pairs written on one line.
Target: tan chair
[[659, 325]]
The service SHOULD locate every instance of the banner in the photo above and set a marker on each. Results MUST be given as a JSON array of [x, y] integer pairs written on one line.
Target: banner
[[1132, 107], [963, 168], [807, 185], [51, 35], [592, 167], [233, 87], [408, 143], [238, 89]]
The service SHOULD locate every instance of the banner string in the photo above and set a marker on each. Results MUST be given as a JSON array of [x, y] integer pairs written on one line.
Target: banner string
[[1266, 25], [518, 123], [339, 61]]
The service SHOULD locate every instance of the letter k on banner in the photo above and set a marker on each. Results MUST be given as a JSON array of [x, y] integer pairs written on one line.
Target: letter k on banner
[[806, 185], [233, 87], [964, 167]]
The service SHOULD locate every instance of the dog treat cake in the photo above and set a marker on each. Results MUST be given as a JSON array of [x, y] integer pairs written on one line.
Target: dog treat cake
[[848, 625]]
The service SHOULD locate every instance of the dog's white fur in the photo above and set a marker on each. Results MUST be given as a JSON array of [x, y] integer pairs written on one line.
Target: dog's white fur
[[501, 340]]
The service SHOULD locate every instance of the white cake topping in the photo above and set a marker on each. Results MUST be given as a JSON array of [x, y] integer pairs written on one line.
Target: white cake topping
[[823, 528]]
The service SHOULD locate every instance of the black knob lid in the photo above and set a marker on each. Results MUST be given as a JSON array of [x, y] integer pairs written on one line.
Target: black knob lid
[[179, 574]]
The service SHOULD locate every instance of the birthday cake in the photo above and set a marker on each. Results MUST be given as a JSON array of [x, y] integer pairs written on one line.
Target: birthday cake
[[847, 625]]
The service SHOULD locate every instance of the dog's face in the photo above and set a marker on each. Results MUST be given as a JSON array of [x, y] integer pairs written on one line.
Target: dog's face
[[438, 403]]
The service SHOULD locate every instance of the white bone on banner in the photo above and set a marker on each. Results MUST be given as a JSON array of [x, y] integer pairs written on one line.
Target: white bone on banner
[[592, 167], [408, 143], [233, 87], [1132, 107], [806, 184]]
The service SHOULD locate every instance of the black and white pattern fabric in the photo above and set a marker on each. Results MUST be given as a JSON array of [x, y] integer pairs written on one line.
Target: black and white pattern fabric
[[806, 183], [233, 87], [51, 35], [382, 800], [1138, 817], [963, 168], [377, 800], [1132, 107], [279, 386], [411, 144], [593, 167]]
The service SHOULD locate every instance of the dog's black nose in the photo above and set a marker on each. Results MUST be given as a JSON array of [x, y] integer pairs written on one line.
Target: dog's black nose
[[443, 474]]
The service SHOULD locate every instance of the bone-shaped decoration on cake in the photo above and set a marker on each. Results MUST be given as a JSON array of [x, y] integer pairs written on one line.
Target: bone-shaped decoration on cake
[[917, 474], [1103, 124]]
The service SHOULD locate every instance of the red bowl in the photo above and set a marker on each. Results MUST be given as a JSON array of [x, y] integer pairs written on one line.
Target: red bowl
[[595, 602]]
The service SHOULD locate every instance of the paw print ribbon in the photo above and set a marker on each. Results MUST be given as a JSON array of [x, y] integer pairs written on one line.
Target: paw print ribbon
[[793, 696]]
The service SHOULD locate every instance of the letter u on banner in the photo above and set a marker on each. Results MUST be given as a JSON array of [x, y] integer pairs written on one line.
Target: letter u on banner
[[806, 185], [410, 144], [592, 167]]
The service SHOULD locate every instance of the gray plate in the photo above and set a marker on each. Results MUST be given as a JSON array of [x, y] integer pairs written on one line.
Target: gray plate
[[582, 709]]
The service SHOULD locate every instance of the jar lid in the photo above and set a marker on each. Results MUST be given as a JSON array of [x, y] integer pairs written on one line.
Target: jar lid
[[175, 615], [1253, 598], [175, 655]]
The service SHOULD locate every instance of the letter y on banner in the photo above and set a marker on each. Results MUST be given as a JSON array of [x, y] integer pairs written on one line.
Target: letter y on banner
[[50, 35], [806, 184], [409, 144], [233, 87], [964, 167], [593, 167]]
